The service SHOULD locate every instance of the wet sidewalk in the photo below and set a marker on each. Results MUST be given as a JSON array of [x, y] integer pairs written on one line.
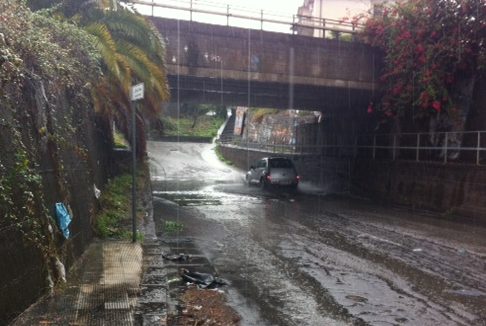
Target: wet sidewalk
[[102, 290]]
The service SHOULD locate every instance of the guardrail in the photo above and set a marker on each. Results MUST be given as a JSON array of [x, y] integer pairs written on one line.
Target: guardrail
[[464, 147], [295, 22]]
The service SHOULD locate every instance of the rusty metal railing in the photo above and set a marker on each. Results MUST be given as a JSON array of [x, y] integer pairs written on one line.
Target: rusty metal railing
[[297, 23], [464, 147]]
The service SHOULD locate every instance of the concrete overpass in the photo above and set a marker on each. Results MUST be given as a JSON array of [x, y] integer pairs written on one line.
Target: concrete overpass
[[236, 66]]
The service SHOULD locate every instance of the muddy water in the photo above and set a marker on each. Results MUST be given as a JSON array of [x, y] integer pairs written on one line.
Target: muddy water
[[307, 259]]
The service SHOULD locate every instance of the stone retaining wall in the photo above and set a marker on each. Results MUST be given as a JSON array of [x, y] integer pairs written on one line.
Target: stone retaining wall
[[451, 189]]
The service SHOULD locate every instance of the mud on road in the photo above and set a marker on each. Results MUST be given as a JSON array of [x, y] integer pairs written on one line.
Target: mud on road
[[304, 259]]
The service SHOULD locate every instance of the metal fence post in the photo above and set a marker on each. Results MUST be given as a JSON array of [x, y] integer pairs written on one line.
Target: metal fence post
[[261, 20], [227, 15], [478, 148], [418, 148], [394, 146], [134, 173], [446, 141], [374, 146], [153, 8], [190, 11]]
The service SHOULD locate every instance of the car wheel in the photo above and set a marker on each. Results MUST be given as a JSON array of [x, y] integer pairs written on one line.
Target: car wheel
[[248, 180], [263, 184]]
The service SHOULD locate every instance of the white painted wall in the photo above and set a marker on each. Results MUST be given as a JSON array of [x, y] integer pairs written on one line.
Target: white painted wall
[[337, 9]]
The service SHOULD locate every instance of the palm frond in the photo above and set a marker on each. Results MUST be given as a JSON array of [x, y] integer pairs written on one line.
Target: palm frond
[[106, 45], [146, 70], [136, 29]]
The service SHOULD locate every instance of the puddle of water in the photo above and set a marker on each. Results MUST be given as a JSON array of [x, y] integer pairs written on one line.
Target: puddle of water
[[377, 296], [188, 198], [356, 298], [467, 293]]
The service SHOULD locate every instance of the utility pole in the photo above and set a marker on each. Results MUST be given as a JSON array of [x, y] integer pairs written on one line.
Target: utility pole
[[136, 94]]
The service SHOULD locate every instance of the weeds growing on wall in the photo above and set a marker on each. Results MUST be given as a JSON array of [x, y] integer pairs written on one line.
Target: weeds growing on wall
[[46, 67], [206, 126], [21, 202], [173, 227], [220, 155], [114, 219], [22, 206], [115, 208], [259, 114]]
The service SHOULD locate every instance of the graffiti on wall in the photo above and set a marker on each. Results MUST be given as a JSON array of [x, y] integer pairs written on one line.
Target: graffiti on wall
[[239, 120]]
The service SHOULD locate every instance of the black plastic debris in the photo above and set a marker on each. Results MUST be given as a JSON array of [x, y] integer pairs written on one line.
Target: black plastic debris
[[176, 257], [203, 280]]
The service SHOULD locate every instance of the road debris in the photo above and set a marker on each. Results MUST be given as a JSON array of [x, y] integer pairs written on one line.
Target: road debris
[[176, 257], [202, 280], [205, 307]]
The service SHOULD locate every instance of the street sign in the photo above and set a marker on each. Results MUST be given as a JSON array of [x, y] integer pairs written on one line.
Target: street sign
[[137, 92]]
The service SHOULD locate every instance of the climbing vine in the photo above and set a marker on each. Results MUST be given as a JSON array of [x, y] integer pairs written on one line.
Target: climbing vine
[[47, 69], [434, 51], [21, 201]]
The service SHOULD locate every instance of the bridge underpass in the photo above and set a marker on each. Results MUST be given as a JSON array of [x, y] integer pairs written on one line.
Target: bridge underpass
[[265, 94], [416, 184], [236, 66]]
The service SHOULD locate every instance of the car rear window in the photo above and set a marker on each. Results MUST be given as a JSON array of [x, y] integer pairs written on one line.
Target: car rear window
[[281, 163]]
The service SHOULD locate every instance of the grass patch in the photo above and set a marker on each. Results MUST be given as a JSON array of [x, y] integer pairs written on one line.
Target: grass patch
[[173, 227], [206, 126], [220, 156], [119, 140], [259, 114], [114, 219]]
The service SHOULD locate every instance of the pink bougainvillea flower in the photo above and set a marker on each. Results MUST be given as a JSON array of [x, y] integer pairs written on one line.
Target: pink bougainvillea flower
[[370, 108], [422, 59], [419, 49], [437, 106], [397, 89], [424, 99]]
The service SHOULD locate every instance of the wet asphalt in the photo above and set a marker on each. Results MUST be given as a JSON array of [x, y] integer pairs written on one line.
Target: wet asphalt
[[310, 258]]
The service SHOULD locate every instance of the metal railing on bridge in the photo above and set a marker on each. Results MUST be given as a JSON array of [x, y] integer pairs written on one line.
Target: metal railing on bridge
[[463, 147], [234, 16]]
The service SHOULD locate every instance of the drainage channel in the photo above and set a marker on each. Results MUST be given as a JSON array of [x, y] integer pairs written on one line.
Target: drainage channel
[[161, 285]]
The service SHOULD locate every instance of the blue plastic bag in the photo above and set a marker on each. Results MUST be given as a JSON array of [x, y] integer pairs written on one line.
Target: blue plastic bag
[[63, 219]]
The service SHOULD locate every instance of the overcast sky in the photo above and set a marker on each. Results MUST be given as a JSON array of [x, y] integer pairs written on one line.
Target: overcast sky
[[284, 8], [281, 10], [288, 7]]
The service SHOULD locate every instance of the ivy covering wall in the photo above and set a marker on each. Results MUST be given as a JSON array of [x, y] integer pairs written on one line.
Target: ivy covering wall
[[50, 150]]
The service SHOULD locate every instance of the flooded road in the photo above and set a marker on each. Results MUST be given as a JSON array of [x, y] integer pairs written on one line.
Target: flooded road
[[307, 259]]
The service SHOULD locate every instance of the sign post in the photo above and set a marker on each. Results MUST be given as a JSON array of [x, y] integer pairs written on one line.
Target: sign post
[[136, 94]]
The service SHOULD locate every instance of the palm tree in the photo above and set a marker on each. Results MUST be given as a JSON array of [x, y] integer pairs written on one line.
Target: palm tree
[[132, 51]]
